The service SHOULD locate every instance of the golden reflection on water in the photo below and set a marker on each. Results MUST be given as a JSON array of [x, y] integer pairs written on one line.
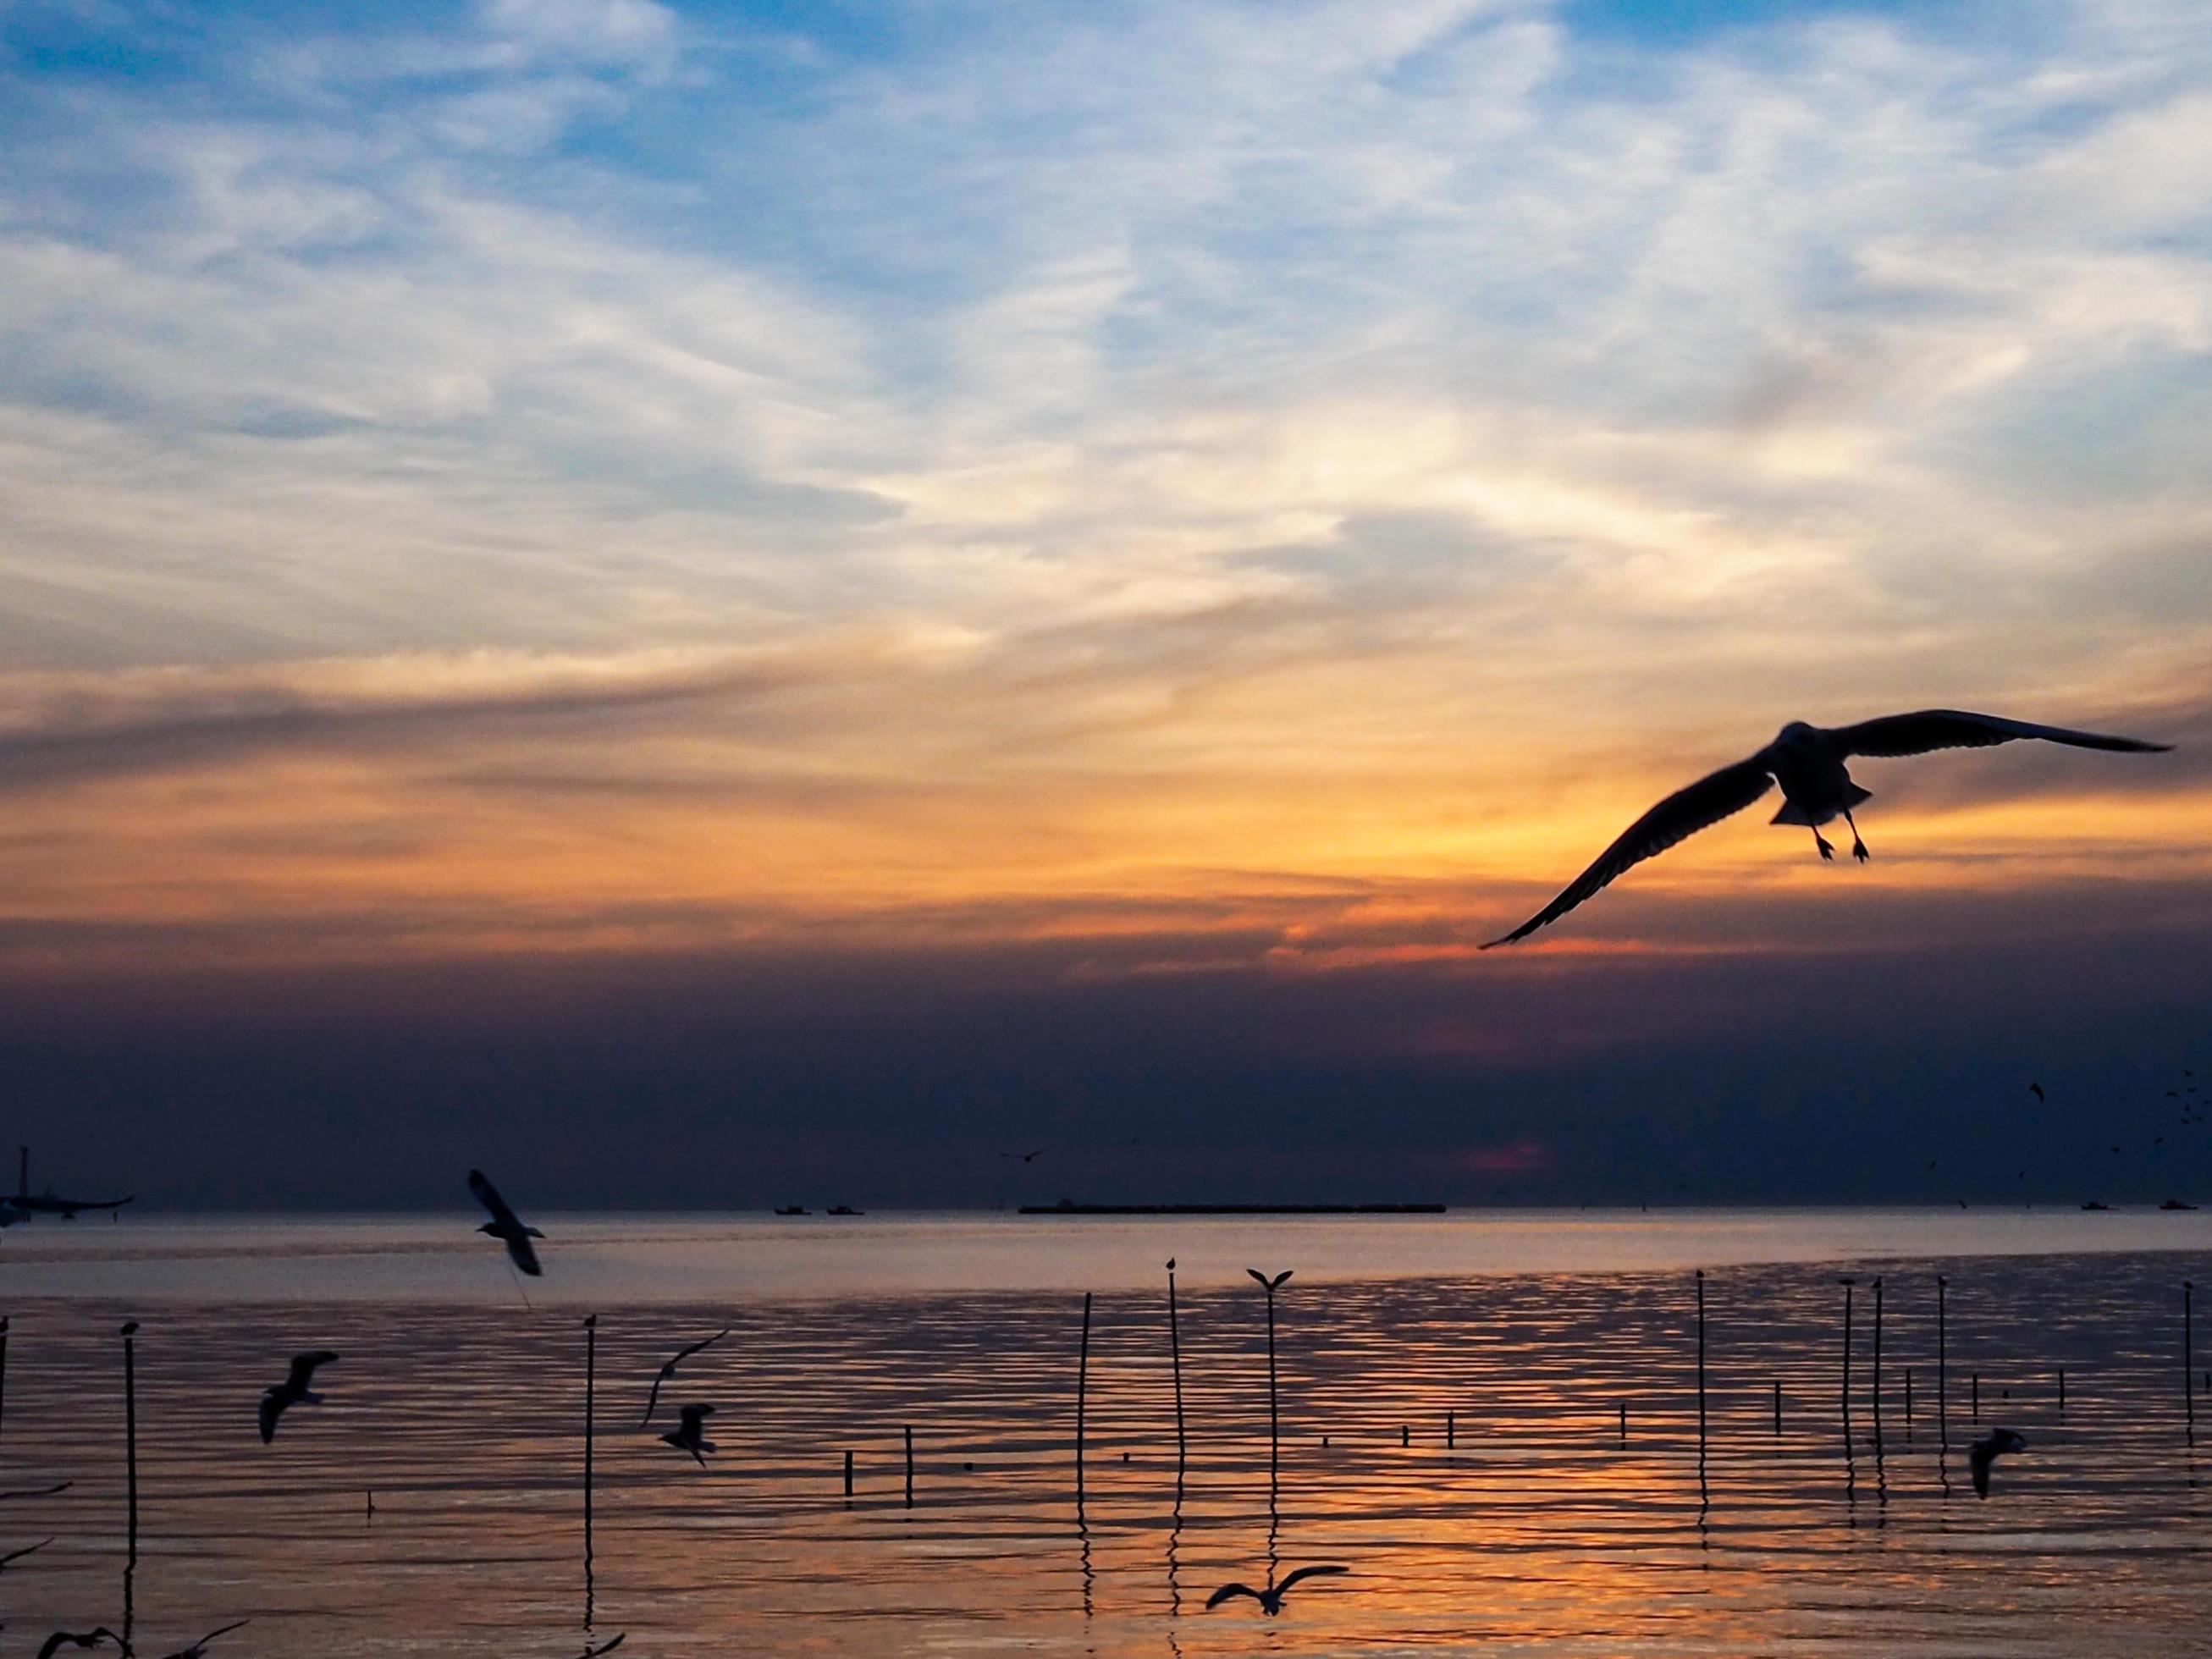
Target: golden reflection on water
[[1457, 1443]]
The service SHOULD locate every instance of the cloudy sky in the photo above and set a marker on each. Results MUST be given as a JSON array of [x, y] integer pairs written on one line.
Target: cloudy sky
[[708, 603]]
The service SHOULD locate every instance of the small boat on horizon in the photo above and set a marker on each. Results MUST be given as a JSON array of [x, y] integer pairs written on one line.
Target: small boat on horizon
[[845, 1209], [2095, 1204], [2176, 1204], [791, 1209]]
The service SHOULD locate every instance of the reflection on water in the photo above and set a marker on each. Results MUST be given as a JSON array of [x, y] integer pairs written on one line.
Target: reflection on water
[[1571, 1504]]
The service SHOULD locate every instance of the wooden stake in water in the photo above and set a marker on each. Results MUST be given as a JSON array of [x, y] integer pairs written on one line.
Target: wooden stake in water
[[1978, 1395], [1908, 1404], [1082, 1389], [2062, 1387], [1876, 1385], [910, 1466], [2188, 1359], [1624, 1422], [1174, 1356], [1849, 1287], [849, 1475], [1701, 1365], [130, 1429], [1942, 1366], [1274, 1419], [591, 1410], [1452, 1431], [1778, 1405]]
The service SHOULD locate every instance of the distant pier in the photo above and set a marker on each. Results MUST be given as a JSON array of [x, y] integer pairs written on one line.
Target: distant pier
[[1069, 1207]]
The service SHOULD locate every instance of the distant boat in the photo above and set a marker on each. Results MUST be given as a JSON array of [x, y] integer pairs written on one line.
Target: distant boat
[[1069, 1207], [2093, 1204], [791, 1209], [2176, 1204], [846, 1209]]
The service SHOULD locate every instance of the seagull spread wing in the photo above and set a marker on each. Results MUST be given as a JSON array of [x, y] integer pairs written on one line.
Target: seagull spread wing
[[1309, 1572], [1679, 816], [273, 1401], [303, 1368], [1931, 729], [518, 1249], [703, 1343], [488, 1195], [1227, 1592]]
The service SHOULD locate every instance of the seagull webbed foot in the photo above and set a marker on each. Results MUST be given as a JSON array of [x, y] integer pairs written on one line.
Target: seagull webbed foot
[[1859, 851], [1827, 847]]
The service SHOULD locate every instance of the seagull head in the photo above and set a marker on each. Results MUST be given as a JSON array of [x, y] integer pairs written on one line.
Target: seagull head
[[1792, 734]]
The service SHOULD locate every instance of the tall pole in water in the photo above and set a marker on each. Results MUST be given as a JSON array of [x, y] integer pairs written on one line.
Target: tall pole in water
[[1876, 1389], [1849, 1284], [1082, 1388], [1175, 1355], [131, 1430], [2188, 1361], [591, 1410], [1274, 1420], [1942, 1366]]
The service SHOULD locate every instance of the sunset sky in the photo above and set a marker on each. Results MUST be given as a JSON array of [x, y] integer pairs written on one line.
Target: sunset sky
[[701, 605]]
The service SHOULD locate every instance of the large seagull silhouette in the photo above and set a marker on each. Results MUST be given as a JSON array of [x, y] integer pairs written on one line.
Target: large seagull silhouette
[[1807, 762]]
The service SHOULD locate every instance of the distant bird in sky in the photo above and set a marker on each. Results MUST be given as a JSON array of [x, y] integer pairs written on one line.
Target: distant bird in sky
[[28, 1549], [1270, 1599], [687, 1438], [668, 1369], [198, 1649], [1027, 1158], [91, 1638], [295, 1389], [1986, 1450], [2036, 1089], [1807, 762], [505, 1225]]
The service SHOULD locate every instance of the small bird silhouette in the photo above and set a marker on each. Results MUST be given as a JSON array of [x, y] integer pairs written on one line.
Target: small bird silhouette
[[1027, 1158], [2036, 1089], [1986, 1450], [687, 1436], [199, 1647], [505, 1225], [295, 1389], [668, 1369], [1270, 1599], [91, 1638]]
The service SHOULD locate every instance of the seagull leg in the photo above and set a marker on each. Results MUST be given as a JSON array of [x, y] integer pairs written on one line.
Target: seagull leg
[[1858, 845], [1827, 847]]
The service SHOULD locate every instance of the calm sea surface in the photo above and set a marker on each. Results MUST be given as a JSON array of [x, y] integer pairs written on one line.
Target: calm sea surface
[[1450, 1398]]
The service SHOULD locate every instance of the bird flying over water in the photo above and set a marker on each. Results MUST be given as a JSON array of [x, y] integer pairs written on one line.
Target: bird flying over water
[[1986, 1450], [668, 1370], [295, 1389], [28, 1549], [91, 1638], [687, 1438], [198, 1649], [505, 1225], [1808, 763], [1270, 1599], [1027, 1158]]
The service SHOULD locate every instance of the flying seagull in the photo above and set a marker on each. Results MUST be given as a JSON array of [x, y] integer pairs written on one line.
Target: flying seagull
[[1986, 1450], [1270, 1599], [1807, 762], [2036, 1089], [198, 1649], [1027, 1158], [687, 1438], [668, 1370], [295, 1389], [28, 1549], [505, 1225], [91, 1638]]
